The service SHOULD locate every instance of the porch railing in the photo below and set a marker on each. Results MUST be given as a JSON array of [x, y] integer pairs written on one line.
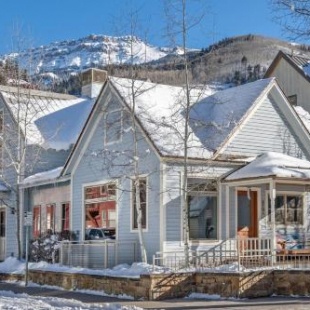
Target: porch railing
[[247, 252], [97, 254]]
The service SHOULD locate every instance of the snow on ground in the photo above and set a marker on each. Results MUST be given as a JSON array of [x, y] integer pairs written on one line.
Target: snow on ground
[[14, 266], [11, 301]]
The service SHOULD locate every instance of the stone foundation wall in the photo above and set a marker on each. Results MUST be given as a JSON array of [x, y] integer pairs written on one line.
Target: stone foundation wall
[[164, 286], [292, 282]]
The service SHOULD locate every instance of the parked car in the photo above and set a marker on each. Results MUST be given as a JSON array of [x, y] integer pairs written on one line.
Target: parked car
[[99, 233]]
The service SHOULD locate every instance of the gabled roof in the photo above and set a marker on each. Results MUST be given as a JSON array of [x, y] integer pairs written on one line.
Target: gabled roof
[[61, 129], [31, 105], [214, 118], [300, 63], [273, 164], [161, 111]]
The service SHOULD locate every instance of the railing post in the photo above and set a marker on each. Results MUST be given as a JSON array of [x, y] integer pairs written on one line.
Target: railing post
[[116, 253], [105, 254], [70, 255], [238, 253], [61, 253]]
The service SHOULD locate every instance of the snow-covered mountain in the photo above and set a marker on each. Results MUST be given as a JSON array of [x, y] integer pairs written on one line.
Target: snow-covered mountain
[[90, 51]]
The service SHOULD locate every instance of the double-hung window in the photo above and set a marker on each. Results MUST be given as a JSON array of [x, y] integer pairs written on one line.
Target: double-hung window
[[65, 216]]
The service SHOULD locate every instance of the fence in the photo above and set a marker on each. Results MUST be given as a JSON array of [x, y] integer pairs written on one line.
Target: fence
[[97, 254]]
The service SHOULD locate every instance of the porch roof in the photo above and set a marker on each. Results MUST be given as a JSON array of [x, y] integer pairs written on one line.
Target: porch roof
[[273, 164]]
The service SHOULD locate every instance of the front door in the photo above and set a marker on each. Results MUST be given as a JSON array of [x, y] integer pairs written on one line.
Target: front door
[[247, 214]]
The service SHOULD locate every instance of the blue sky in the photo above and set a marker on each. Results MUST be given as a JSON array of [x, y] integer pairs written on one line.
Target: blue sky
[[43, 21]]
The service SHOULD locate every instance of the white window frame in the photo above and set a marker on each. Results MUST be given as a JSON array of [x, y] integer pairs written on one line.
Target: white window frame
[[99, 183], [287, 193], [208, 194]]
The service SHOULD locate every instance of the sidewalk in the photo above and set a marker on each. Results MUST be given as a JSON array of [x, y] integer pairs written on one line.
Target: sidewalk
[[266, 303]]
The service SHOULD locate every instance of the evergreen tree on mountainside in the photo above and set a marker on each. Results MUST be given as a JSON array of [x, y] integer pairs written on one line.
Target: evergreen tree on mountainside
[[215, 63], [10, 73]]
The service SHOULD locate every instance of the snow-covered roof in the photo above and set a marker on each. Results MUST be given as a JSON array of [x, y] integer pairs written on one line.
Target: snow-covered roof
[[304, 116], [29, 105], [161, 110], [273, 164], [61, 129], [41, 177], [213, 118]]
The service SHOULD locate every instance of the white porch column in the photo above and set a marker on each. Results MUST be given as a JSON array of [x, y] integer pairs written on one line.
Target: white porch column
[[227, 206], [273, 220]]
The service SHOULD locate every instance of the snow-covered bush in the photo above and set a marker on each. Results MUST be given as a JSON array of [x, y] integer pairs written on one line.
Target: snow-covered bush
[[46, 247]]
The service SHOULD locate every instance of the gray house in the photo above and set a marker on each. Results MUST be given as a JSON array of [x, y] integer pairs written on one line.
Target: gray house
[[292, 73], [137, 128], [31, 145]]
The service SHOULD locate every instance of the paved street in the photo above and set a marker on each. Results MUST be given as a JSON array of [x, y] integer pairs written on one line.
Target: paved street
[[272, 303]]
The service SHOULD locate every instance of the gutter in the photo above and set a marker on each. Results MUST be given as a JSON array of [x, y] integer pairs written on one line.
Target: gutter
[[46, 182]]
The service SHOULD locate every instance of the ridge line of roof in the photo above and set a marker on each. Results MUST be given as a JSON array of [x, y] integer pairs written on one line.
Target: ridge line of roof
[[35, 92]]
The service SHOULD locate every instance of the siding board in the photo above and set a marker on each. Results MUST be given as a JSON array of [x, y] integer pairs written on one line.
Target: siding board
[[265, 131]]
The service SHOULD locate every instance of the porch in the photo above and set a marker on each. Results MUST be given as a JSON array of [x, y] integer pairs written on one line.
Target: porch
[[262, 220], [269, 197]]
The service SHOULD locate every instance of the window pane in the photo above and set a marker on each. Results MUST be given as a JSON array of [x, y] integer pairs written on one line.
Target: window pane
[[113, 124], [2, 223], [65, 217], [50, 218], [279, 209], [203, 217], [36, 221], [294, 209], [288, 209], [244, 211], [104, 192]]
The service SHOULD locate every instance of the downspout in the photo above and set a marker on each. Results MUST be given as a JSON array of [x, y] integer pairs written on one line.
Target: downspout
[[273, 221]]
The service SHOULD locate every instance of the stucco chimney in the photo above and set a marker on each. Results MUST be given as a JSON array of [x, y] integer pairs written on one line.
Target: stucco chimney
[[92, 81]]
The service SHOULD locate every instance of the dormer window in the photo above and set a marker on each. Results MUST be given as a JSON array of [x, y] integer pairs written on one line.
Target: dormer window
[[292, 100], [113, 126]]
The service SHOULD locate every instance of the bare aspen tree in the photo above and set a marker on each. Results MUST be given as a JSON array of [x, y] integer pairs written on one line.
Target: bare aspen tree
[[134, 90], [293, 16], [18, 131], [135, 144], [179, 24]]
